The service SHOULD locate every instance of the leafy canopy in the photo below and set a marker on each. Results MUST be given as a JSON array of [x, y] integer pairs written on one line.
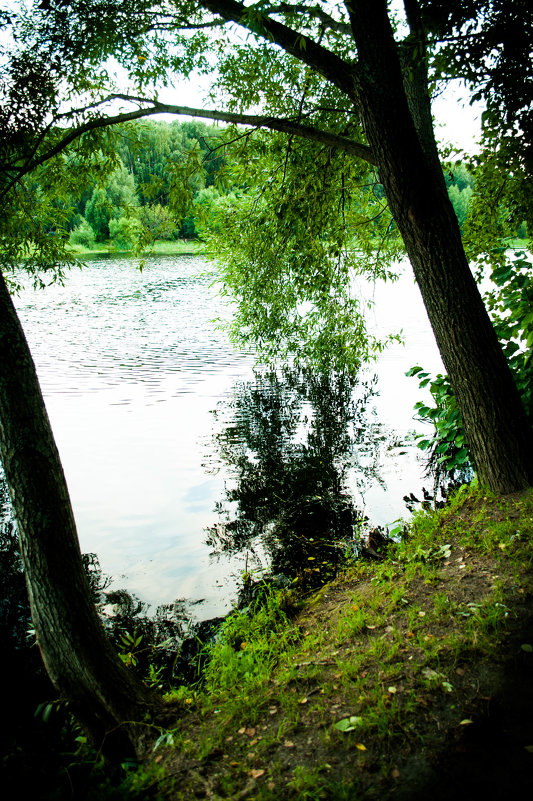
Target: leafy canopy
[[307, 213]]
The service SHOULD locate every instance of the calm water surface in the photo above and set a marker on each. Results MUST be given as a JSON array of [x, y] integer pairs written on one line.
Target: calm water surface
[[169, 439]]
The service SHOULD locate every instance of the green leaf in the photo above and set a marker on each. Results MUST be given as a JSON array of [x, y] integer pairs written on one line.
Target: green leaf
[[348, 724]]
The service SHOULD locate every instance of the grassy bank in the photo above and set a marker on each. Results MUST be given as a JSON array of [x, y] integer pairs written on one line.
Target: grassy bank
[[178, 247], [193, 246], [408, 677]]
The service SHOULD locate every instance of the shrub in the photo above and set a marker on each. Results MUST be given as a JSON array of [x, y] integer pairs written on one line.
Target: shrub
[[83, 235], [125, 232]]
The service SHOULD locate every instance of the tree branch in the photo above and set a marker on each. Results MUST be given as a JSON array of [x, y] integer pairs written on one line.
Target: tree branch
[[326, 138], [337, 71], [315, 12], [283, 125]]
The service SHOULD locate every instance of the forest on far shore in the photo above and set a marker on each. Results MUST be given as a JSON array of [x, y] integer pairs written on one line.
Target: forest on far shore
[[168, 184]]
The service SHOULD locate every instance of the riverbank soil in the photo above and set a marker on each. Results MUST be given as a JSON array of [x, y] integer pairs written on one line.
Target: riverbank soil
[[406, 678]]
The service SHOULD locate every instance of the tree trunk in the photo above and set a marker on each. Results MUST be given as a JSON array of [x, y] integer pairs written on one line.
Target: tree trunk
[[497, 429], [103, 694]]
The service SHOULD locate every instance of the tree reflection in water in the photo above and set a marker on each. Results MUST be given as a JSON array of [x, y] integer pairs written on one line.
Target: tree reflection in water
[[290, 438]]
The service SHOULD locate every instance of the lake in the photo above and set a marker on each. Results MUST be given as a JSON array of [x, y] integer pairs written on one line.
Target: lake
[[185, 466]]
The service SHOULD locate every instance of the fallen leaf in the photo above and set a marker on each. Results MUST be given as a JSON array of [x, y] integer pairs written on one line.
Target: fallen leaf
[[421, 614], [392, 690], [360, 747], [288, 744], [255, 774], [466, 722], [242, 730], [460, 672], [395, 773], [271, 785], [302, 701], [249, 732], [429, 673]]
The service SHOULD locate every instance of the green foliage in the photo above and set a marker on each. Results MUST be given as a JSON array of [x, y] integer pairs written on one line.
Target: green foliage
[[125, 232], [510, 304], [521, 232], [158, 221], [447, 446], [460, 201], [171, 164], [501, 202], [98, 213], [317, 223], [487, 44], [248, 645], [458, 175], [83, 235]]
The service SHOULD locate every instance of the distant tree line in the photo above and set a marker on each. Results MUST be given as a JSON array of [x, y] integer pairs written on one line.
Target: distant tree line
[[164, 178], [167, 182]]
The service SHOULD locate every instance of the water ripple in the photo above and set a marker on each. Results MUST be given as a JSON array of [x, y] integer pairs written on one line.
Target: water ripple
[[112, 325]]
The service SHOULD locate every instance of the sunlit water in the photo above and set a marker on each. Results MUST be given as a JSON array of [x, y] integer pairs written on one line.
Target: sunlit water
[[146, 398]]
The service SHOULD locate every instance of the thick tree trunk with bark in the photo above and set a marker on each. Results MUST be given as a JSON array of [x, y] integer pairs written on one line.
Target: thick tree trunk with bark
[[497, 429], [104, 695]]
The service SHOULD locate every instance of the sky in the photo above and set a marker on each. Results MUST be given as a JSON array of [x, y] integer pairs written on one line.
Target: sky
[[456, 121]]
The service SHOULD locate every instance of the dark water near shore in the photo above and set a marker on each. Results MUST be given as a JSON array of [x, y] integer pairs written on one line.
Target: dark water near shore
[[185, 465]]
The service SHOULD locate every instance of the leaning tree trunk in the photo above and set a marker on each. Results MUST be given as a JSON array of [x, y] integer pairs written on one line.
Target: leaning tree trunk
[[396, 115], [104, 695]]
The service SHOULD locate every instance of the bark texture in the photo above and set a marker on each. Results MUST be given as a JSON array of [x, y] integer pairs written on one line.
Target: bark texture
[[104, 695], [394, 104]]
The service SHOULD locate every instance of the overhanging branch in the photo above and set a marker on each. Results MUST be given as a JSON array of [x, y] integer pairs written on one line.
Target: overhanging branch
[[337, 71], [327, 138], [283, 125]]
